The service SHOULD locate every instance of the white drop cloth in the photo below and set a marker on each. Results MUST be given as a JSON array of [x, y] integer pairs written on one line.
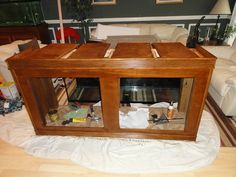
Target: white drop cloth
[[116, 154], [134, 119]]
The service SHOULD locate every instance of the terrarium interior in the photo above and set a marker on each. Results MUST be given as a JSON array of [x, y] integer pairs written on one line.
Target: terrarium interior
[[144, 103]]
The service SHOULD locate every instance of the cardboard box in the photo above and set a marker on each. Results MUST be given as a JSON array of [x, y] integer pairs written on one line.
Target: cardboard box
[[9, 90]]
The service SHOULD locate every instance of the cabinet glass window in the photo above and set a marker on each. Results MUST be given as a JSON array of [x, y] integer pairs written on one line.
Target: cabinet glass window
[[74, 102], [154, 103]]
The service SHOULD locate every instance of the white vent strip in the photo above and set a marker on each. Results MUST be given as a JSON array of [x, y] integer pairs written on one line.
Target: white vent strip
[[145, 94], [68, 54], [139, 95], [155, 53], [109, 53], [154, 95], [134, 95], [80, 94]]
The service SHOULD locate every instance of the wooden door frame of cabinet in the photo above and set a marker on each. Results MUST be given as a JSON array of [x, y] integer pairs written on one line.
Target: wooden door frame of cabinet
[[110, 91], [109, 71]]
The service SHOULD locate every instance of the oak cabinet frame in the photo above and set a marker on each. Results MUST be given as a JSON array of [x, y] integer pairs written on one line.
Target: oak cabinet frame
[[30, 64]]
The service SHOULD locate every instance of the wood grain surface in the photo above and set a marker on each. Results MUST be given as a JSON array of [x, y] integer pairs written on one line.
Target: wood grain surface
[[176, 61], [90, 50], [132, 50]]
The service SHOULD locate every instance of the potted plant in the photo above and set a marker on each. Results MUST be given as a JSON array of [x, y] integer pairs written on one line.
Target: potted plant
[[80, 10], [229, 32]]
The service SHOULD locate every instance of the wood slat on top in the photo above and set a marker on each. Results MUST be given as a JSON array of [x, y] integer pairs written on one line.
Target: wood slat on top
[[132, 50], [173, 50], [90, 50], [52, 51]]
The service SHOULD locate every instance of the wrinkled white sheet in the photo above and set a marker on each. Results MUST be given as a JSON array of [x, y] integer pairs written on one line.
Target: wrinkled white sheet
[[134, 119], [116, 155]]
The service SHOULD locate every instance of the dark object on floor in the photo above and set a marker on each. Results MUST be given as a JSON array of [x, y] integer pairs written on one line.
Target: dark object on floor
[[8, 106], [161, 120], [66, 121], [154, 118]]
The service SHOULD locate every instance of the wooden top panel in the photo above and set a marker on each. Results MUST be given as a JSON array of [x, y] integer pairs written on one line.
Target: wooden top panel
[[132, 50], [90, 50], [173, 50], [43, 57], [52, 51]]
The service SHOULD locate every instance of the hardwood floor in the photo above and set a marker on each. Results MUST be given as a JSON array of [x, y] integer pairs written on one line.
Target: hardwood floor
[[226, 124], [14, 162]]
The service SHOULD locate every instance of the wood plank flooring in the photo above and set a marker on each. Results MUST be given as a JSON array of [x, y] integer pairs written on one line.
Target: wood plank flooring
[[226, 124], [14, 162]]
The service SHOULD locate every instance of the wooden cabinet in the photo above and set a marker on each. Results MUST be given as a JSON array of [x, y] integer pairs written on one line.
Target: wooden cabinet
[[12, 33], [33, 69]]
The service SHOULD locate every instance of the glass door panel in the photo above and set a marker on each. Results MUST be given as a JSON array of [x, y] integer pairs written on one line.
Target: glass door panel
[[154, 103], [68, 102]]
